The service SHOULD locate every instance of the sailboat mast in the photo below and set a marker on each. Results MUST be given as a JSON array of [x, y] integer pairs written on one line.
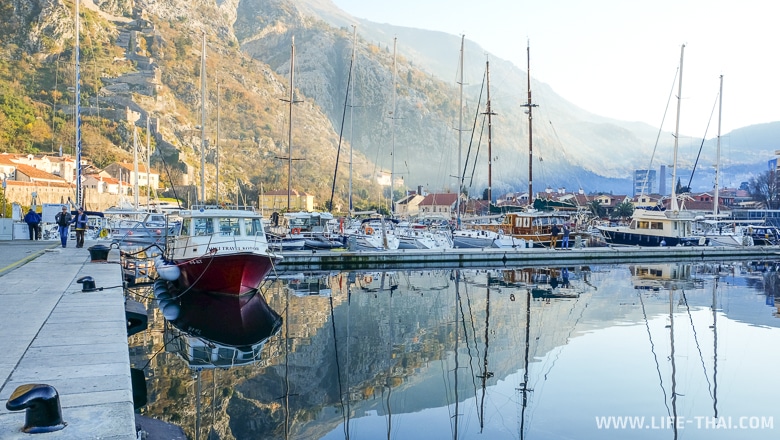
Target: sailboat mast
[[392, 152], [460, 132], [289, 124], [717, 156], [489, 113], [148, 165], [203, 121], [351, 108], [135, 168], [216, 189], [77, 103], [674, 205], [530, 105]]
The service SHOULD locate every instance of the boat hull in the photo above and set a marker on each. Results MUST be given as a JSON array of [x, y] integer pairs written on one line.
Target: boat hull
[[230, 274], [629, 238]]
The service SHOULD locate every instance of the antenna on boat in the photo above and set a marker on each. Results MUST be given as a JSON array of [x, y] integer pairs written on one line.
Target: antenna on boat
[[530, 106]]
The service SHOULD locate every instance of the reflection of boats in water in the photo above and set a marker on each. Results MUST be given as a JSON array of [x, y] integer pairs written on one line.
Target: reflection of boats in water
[[662, 276], [236, 320], [309, 285], [202, 353]]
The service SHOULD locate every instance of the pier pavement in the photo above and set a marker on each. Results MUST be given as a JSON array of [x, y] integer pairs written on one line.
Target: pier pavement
[[52, 332]]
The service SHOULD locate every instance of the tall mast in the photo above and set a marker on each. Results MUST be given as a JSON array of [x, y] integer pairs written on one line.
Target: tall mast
[[216, 190], [289, 124], [460, 132], [530, 105], [135, 168], [489, 113], [148, 164], [717, 165], [203, 121], [351, 107], [392, 112], [77, 102], [674, 205]]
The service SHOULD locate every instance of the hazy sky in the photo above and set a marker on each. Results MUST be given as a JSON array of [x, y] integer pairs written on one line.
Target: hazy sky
[[618, 58]]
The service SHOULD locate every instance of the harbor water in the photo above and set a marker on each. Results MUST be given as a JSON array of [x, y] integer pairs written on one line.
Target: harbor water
[[641, 351]]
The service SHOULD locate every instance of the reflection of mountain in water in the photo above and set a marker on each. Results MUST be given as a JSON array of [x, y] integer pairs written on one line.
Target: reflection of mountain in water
[[394, 349]]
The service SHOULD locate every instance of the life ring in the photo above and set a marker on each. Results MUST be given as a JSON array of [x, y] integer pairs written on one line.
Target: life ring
[[295, 231], [369, 230], [367, 279]]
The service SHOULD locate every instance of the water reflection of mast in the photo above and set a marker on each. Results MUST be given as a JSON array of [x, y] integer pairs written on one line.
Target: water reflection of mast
[[485, 373], [338, 366], [457, 333], [674, 368], [715, 347], [287, 363], [524, 385]]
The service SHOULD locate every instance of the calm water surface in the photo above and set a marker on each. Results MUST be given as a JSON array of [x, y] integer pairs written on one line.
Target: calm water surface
[[659, 351]]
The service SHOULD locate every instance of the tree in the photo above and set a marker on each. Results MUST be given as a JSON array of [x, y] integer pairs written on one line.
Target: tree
[[597, 210], [764, 189], [679, 189], [623, 210]]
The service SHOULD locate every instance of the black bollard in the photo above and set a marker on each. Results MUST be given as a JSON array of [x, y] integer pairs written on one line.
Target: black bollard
[[42, 405], [87, 284]]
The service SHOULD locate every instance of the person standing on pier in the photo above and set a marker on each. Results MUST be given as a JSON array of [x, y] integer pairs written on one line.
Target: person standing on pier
[[554, 235], [33, 220], [565, 243], [81, 226], [63, 220]]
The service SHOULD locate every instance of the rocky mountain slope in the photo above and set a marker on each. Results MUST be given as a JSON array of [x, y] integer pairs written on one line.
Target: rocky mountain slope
[[141, 59]]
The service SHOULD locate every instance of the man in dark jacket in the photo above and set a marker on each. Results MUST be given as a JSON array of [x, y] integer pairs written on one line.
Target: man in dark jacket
[[63, 220], [33, 220], [81, 226]]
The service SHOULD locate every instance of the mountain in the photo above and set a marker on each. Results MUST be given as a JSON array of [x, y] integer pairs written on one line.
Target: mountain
[[141, 58]]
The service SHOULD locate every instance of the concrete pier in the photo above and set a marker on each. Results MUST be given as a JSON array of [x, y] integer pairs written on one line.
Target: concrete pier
[[52, 332], [498, 258]]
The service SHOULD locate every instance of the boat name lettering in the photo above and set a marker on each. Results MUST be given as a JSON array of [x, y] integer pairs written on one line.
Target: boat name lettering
[[245, 248], [195, 261]]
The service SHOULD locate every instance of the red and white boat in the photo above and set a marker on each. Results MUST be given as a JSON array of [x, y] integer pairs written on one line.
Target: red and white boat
[[220, 251]]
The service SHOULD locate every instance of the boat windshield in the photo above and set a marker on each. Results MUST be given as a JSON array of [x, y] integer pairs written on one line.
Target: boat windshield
[[254, 227], [198, 226], [229, 226]]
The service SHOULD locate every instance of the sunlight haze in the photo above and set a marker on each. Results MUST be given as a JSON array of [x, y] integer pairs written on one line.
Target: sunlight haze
[[618, 59]]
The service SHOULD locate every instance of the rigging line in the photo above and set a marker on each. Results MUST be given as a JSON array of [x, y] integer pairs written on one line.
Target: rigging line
[[473, 127], [466, 337], [655, 356], [696, 340], [660, 129], [341, 134], [698, 155], [479, 145], [568, 336]]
